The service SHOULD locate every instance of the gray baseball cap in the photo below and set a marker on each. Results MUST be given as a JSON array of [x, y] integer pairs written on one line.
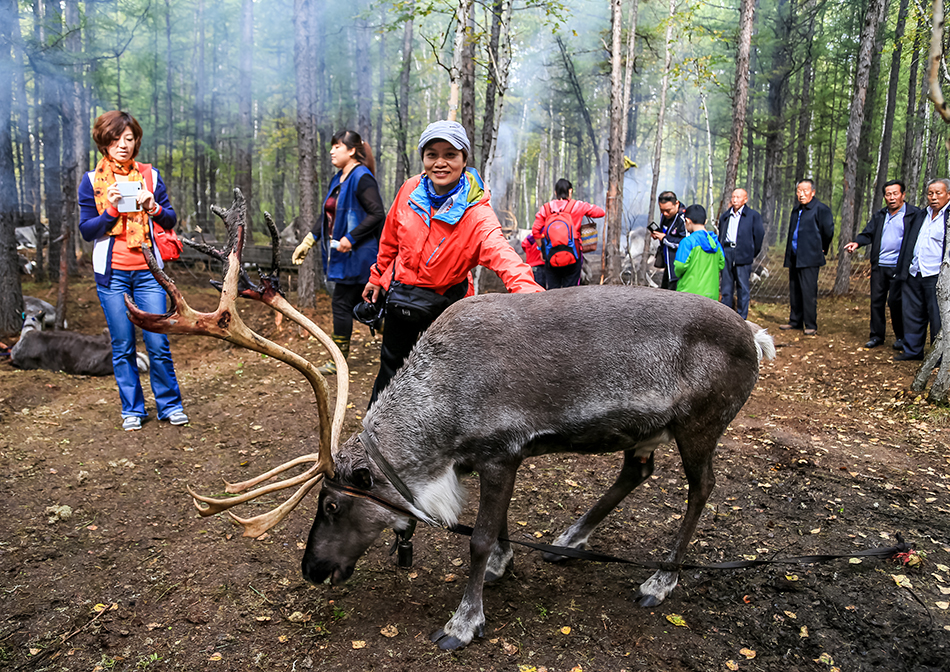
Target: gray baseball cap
[[450, 131]]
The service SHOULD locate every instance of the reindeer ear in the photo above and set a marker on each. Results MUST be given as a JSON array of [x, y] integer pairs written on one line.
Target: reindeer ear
[[362, 478]]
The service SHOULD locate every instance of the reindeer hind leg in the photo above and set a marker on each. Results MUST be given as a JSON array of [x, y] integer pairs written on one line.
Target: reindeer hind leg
[[697, 463], [635, 470]]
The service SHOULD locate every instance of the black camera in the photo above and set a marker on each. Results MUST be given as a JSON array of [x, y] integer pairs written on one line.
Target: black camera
[[653, 227], [371, 314]]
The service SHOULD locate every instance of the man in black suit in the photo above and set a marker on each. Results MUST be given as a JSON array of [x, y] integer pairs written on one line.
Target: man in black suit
[[741, 234], [811, 228], [918, 265], [884, 233]]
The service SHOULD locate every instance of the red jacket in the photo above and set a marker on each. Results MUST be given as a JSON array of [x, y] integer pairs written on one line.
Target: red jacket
[[440, 252], [578, 210], [532, 255]]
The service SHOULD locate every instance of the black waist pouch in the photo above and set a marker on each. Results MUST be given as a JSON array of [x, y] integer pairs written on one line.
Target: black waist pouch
[[419, 304]]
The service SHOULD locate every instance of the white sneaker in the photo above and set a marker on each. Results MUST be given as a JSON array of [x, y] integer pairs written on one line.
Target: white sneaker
[[178, 418], [131, 423]]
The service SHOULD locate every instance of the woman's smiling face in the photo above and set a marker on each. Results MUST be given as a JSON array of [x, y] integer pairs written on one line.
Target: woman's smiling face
[[443, 164]]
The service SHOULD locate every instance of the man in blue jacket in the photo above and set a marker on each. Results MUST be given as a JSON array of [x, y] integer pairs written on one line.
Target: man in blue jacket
[[884, 233], [741, 234], [811, 228]]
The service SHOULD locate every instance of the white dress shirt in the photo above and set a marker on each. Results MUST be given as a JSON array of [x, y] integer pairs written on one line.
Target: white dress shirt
[[928, 252]]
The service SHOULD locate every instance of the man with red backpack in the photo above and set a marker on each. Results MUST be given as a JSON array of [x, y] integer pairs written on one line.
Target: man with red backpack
[[557, 228]]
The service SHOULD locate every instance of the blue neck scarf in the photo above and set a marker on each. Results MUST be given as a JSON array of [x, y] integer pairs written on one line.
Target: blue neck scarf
[[438, 201]]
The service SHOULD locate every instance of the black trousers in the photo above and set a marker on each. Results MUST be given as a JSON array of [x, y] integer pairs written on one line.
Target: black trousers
[[803, 296], [886, 290], [345, 298], [563, 276], [920, 309]]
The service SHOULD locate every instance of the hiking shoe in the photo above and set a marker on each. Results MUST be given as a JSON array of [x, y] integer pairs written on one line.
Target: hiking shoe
[[131, 423], [178, 418], [327, 369]]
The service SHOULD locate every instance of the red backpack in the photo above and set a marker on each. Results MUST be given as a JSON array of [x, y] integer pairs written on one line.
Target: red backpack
[[559, 248], [169, 245]]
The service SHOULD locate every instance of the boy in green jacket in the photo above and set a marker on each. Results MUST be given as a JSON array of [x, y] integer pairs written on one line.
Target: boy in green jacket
[[699, 258]]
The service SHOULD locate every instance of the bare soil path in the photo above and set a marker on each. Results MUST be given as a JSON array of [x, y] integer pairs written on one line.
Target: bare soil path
[[830, 455]]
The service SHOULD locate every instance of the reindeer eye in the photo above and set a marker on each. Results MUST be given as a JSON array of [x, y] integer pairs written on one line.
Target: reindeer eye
[[331, 507]]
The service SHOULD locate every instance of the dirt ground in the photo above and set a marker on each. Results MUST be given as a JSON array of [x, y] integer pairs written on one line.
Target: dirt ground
[[830, 455]]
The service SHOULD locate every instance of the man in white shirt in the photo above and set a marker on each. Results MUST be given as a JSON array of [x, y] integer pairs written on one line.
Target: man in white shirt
[[918, 266], [741, 234]]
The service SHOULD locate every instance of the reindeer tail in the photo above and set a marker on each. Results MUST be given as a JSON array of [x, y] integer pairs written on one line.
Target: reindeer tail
[[764, 345]]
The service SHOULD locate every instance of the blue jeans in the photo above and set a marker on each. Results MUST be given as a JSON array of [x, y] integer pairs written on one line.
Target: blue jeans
[[150, 297]]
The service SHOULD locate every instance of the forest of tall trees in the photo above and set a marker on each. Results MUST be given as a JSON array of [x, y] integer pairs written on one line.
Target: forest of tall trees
[[244, 93]]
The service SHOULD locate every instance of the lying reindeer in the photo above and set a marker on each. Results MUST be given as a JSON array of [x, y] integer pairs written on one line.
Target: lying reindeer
[[66, 351], [640, 367]]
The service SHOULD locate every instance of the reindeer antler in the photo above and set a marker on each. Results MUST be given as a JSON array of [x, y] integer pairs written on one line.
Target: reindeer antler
[[225, 323]]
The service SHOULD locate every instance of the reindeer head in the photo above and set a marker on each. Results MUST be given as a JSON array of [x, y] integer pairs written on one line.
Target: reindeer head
[[349, 516]]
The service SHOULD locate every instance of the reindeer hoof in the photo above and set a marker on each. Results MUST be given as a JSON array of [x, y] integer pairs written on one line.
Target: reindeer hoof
[[647, 601], [447, 642], [491, 576]]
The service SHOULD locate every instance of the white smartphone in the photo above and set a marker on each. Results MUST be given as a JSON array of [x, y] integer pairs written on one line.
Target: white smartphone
[[129, 191]]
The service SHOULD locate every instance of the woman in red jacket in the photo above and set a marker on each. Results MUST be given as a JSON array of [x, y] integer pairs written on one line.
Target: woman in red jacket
[[440, 227]]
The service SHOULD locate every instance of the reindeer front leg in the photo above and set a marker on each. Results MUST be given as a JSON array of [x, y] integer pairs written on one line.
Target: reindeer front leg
[[497, 482]]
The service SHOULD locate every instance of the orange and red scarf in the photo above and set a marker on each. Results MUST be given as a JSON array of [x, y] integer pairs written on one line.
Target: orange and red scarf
[[135, 224]]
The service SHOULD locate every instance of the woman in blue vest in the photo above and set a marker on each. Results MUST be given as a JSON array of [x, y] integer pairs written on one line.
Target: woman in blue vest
[[352, 221]]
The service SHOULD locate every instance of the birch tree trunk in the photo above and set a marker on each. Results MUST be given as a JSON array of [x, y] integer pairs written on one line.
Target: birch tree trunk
[[467, 83], [849, 203], [740, 101], [628, 67], [610, 249], [455, 71], [402, 108], [363, 80]]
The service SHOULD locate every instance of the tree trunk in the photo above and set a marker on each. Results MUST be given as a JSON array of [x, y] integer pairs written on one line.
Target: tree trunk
[[30, 201], [610, 258], [11, 298], [169, 166], [579, 94], [363, 80], [51, 121], [201, 141], [914, 191], [849, 203], [910, 130], [658, 144], [380, 110], [740, 100], [862, 185], [243, 172], [467, 83], [304, 43], [501, 67], [455, 70], [885, 150], [775, 122], [72, 138], [491, 84], [402, 109]]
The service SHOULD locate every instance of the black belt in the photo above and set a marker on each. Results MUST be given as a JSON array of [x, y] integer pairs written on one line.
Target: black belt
[[729, 244]]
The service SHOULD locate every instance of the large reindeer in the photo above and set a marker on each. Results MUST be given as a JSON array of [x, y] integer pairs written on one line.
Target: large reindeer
[[602, 369]]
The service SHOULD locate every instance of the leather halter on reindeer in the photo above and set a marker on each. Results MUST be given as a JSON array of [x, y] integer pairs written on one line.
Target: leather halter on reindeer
[[636, 368]]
